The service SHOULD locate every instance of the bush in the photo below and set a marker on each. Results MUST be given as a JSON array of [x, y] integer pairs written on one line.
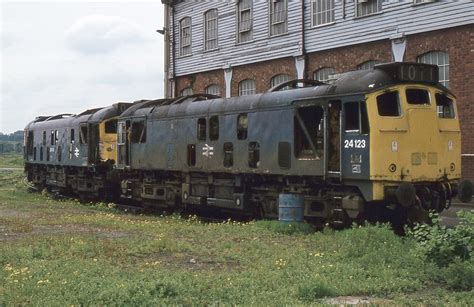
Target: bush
[[459, 275], [441, 245]]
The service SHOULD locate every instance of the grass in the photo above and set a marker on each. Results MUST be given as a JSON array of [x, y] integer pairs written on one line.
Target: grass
[[11, 161], [62, 252]]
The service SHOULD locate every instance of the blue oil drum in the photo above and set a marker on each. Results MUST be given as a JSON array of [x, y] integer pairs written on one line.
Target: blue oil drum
[[290, 208]]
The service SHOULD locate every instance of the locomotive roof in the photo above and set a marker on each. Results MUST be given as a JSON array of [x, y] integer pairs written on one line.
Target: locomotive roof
[[68, 120], [359, 82]]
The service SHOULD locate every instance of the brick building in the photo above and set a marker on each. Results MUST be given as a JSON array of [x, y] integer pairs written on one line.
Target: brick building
[[241, 47]]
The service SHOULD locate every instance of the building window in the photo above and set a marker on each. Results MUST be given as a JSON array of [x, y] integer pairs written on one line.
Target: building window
[[279, 79], [322, 12], [185, 36], [441, 59], [247, 87], [368, 65], [210, 31], [244, 20], [367, 7], [278, 17], [324, 74], [187, 91], [213, 89]]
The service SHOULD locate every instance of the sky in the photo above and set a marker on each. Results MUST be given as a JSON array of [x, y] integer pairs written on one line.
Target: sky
[[69, 56]]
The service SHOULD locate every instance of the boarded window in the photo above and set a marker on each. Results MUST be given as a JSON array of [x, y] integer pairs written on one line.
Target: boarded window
[[418, 96], [284, 155], [138, 135], [254, 154], [242, 126], [111, 126], [214, 128], [191, 155], [308, 133], [444, 106], [228, 154], [84, 136], [201, 129], [388, 104]]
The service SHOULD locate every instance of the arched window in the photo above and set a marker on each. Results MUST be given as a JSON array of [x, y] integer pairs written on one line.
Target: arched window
[[187, 91], [213, 89], [441, 59], [247, 87], [210, 29], [278, 79], [185, 36], [368, 65], [324, 74]]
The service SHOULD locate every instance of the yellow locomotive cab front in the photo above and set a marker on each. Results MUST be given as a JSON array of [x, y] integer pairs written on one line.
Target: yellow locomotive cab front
[[415, 137]]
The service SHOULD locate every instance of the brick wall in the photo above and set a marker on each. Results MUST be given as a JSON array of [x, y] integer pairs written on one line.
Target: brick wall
[[199, 82], [347, 58]]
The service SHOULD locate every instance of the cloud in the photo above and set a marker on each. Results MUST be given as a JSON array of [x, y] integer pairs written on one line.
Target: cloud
[[97, 34]]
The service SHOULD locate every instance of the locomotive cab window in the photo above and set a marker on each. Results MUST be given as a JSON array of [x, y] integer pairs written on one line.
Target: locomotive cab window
[[388, 104], [138, 135], [444, 106], [83, 138], [309, 133], [242, 126], [72, 136], [214, 128], [111, 126], [201, 129], [355, 115], [417, 96]]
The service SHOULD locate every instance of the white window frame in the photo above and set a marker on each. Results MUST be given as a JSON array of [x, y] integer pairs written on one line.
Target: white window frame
[[323, 74], [188, 91], [279, 79], [244, 34], [368, 64], [278, 20], [320, 9], [247, 87], [185, 36], [440, 58], [367, 8], [213, 89], [211, 17]]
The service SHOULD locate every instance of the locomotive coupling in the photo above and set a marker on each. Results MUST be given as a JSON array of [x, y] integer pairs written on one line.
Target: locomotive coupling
[[465, 190]]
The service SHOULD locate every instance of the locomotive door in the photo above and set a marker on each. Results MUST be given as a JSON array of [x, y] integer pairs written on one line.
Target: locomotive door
[[123, 144], [355, 139]]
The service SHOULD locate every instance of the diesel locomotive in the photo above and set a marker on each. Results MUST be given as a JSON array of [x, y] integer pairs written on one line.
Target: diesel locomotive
[[373, 144]]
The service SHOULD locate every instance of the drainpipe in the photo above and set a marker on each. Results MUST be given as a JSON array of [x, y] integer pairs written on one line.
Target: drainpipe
[[167, 51]]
